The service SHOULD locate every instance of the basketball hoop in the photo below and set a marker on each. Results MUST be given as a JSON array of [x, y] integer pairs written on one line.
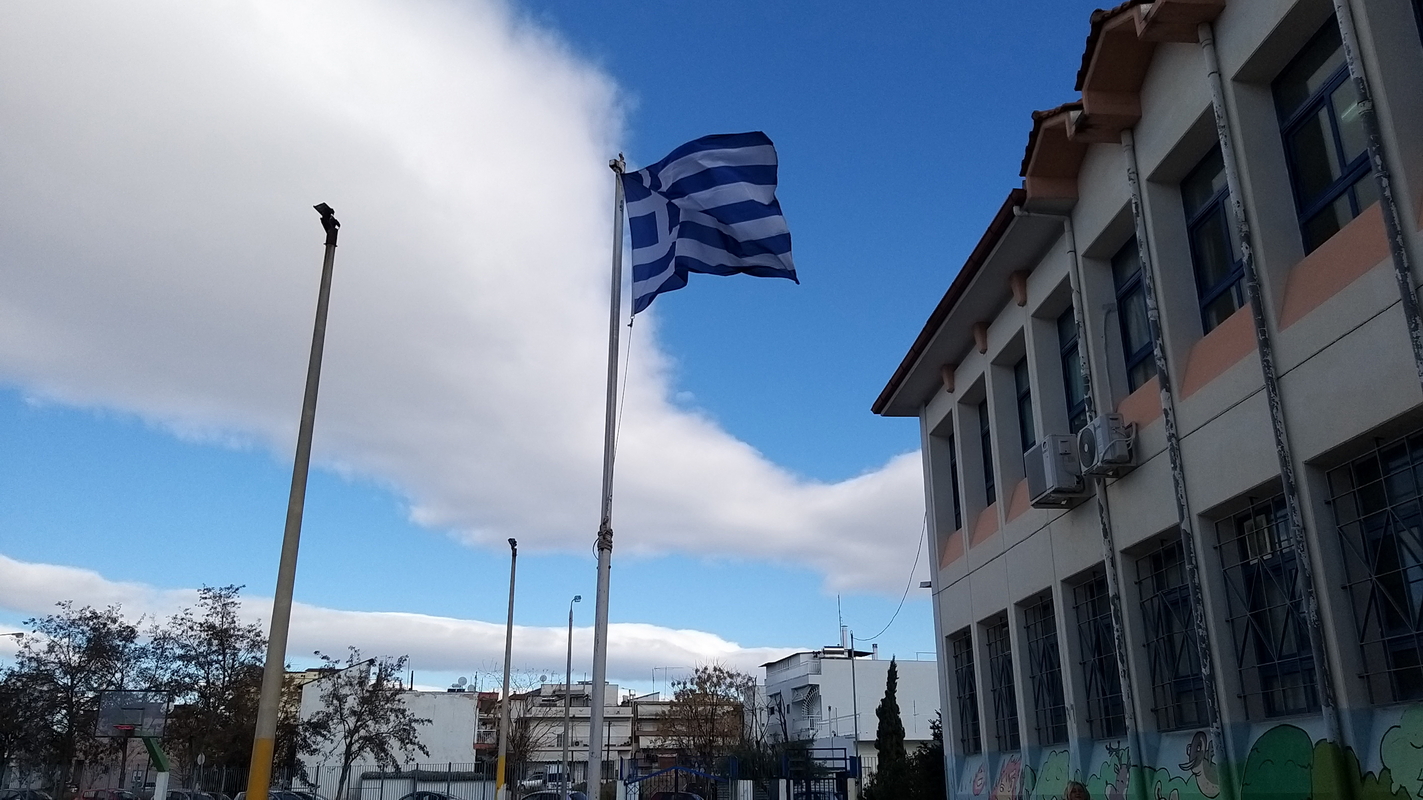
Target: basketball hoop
[[125, 731]]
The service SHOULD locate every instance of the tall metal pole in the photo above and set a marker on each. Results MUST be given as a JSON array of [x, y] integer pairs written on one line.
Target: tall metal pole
[[605, 526], [567, 693], [508, 654], [259, 774], [854, 695]]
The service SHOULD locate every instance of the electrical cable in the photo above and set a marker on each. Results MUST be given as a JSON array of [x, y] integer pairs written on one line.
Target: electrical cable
[[924, 534]]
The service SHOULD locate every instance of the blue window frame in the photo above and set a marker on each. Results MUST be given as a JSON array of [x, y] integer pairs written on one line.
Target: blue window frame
[[1326, 146], [954, 480], [1131, 314], [1025, 404], [1215, 252], [1075, 387], [985, 444]]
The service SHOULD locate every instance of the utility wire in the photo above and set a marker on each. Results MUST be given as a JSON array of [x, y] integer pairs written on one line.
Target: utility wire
[[924, 534]]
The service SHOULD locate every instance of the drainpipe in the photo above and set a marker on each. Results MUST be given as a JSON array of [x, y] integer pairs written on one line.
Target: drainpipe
[[1104, 516], [1393, 227], [1283, 451], [1173, 451]]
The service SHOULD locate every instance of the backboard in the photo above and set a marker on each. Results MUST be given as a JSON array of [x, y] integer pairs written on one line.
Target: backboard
[[124, 713]]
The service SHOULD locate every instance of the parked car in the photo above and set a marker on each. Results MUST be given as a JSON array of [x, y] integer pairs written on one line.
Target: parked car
[[554, 794], [424, 795], [24, 794], [109, 794]]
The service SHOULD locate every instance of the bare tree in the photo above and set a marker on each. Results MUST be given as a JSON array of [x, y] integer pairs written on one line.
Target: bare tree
[[363, 714], [706, 718]]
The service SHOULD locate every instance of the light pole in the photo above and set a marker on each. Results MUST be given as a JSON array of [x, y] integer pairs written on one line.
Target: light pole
[[508, 652], [567, 693]]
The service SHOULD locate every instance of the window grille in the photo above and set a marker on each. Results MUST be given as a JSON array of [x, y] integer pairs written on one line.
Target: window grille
[[1267, 616], [954, 483], [1326, 146], [1131, 316], [1377, 510], [1045, 672], [1076, 389], [1215, 249], [1178, 690], [1025, 404], [1106, 717], [1001, 687], [966, 682], [985, 443]]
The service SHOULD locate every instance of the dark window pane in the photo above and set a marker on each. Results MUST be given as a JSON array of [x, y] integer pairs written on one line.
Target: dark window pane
[[1105, 712], [1001, 686], [1366, 191], [1321, 226], [1316, 159], [954, 481], [1074, 386], [1351, 121], [1177, 686], [965, 681], [1045, 672], [1126, 265], [1204, 183], [1310, 71], [985, 442], [1025, 404]]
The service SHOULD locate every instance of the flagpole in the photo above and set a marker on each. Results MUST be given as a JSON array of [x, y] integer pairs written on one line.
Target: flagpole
[[605, 526]]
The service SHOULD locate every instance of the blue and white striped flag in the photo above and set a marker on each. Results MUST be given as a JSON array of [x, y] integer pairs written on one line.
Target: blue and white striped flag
[[710, 206]]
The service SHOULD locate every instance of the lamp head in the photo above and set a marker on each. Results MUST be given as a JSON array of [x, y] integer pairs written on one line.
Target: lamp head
[[577, 598]]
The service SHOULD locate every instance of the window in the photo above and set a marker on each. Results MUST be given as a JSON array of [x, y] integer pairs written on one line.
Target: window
[[1214, 246], [1106, 716], [954, 480], [1325, 143], [1178, 690], [985, 444], [1045, 672], [1131, 314], [970, 738], [1377, 509], [1000, 686], [1076, 388], [1025, 404], [1267, 616]]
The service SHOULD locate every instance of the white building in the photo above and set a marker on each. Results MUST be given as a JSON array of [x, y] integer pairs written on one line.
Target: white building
[[814, 695]]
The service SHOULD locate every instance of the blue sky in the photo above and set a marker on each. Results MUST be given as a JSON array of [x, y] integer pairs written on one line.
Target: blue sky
[[151, 379]]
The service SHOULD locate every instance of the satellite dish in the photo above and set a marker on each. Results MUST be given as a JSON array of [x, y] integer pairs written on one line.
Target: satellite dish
[[462, 681], [543, 679]]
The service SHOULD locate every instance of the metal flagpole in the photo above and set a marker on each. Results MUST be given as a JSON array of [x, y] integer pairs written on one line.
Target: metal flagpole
[[508, 653], [259, 774], [567, 781], [605, 526]]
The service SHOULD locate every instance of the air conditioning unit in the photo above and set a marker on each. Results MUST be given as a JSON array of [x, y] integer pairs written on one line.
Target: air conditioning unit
[[1107, 446], [1054, 475]]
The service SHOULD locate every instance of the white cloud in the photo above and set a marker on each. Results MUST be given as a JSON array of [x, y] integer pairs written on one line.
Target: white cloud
[[160, 257], [435, 644]]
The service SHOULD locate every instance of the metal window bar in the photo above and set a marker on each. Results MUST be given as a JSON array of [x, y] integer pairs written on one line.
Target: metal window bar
[[985, 443], [1178, 689], [1106, 715], [1045, 672], [1265, 596], [1001, 688], [1377, 512], [966, 682]]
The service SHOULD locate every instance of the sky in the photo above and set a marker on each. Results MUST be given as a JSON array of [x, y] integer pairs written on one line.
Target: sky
[[158, 268]]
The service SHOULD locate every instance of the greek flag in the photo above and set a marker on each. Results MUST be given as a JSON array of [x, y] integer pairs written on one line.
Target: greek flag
[[710, 206]]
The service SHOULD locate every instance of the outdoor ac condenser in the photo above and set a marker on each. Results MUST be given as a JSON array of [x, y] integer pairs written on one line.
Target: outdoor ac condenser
[[1107, 446], [1053, 471]]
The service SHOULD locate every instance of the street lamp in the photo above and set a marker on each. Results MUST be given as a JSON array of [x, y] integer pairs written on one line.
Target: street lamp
[[567, 692]]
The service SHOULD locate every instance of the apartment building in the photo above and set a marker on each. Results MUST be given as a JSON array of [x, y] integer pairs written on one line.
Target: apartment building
[[828, 698], [1172, 423]]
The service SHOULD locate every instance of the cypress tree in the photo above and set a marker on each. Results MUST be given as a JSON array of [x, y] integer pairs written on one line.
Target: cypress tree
[[891, 778]]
